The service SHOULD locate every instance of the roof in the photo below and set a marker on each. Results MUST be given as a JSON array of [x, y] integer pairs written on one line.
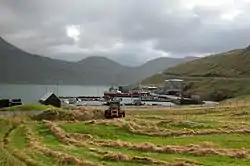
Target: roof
[[46, 96]]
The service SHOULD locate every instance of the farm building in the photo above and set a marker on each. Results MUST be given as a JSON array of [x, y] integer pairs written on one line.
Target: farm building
[[50, 99], [4, 103]]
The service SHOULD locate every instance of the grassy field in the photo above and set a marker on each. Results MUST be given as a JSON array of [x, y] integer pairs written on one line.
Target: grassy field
[[205, 136]]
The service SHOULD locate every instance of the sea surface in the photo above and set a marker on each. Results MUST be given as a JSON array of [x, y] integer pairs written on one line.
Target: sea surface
[[32, 93]]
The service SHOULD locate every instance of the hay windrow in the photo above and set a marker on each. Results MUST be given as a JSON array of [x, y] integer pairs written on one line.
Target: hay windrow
[[80, 114], [198, 150], [19, 154], [226, 137], [154, 130], [144, 160], [61, 134], [136, 159], [65, 158], [204, 149], [62, 157], [107, 155]]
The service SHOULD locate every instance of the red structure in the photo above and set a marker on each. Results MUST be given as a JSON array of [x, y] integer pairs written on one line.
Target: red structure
[[122, 94], [113, 92]]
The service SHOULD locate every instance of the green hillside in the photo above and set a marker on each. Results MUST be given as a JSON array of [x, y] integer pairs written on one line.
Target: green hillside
[[234, 63], [214, 77]]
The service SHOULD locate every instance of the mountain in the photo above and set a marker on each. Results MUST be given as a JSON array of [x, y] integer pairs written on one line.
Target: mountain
[[152, 67], [102, 64], [159, 64], [219, 76], [18, 66]]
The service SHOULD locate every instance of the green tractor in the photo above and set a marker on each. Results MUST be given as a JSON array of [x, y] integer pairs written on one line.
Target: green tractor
[[114, 110]]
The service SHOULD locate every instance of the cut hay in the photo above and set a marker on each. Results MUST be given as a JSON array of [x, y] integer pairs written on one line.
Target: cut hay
[[20, 155], [204, 149], [136, 159], [61, 134], [65, 158], [153, 130], [198, 150], [70, 115]]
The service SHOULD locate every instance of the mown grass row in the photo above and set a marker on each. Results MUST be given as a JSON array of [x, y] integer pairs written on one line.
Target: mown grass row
[[121, 148], [113, 132], [15, 149], [214, 137], [203, 149], [65, 157], [93, 147], [7, 156]]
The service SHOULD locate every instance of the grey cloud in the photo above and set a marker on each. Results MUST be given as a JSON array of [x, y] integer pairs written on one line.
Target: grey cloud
[[39, 26]]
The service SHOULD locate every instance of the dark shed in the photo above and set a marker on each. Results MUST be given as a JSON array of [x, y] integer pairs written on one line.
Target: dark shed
[[50, 99], [4, 103]]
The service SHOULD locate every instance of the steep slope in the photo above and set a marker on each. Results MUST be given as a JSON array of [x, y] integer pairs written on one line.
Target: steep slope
[[215, 77], [234, 63], [159, 64], [152, 67], [18, 66]]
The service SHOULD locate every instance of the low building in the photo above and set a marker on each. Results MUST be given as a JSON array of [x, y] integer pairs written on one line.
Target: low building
[[173, 86], [50, 99], [4, 103]]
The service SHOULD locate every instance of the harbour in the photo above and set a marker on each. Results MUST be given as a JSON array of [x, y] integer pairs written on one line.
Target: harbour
[[168, 95]]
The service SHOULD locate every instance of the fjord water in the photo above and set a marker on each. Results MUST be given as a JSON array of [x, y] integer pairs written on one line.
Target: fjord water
[[32, 93]]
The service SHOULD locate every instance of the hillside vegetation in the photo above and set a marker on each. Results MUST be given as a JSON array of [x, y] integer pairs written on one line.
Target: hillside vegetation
[[214, 77], [193, 137], [234, 63]]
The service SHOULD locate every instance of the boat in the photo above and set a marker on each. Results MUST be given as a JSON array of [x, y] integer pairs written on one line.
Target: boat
[[117, 92], [125, 94], [72, 100]]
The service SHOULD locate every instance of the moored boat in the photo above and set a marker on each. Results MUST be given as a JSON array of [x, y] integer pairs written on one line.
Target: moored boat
[[115, 92], [126, 94]]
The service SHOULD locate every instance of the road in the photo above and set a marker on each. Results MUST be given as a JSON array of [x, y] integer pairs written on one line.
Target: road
[[218, 78]]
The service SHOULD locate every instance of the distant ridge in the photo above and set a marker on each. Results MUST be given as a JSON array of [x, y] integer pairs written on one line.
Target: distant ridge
[[18, 66]]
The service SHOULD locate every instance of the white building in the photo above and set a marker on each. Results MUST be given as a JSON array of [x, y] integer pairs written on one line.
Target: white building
[[173, 85]]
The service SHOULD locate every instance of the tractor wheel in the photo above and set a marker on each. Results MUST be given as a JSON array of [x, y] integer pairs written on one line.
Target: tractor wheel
[[122, 115], [106, 114]]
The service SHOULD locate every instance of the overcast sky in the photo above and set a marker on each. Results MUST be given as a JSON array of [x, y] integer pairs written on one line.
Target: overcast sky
[[129, 31]]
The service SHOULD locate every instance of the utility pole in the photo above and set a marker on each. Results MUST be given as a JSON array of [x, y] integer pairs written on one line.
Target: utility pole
[[182, 90], [57, 89]]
